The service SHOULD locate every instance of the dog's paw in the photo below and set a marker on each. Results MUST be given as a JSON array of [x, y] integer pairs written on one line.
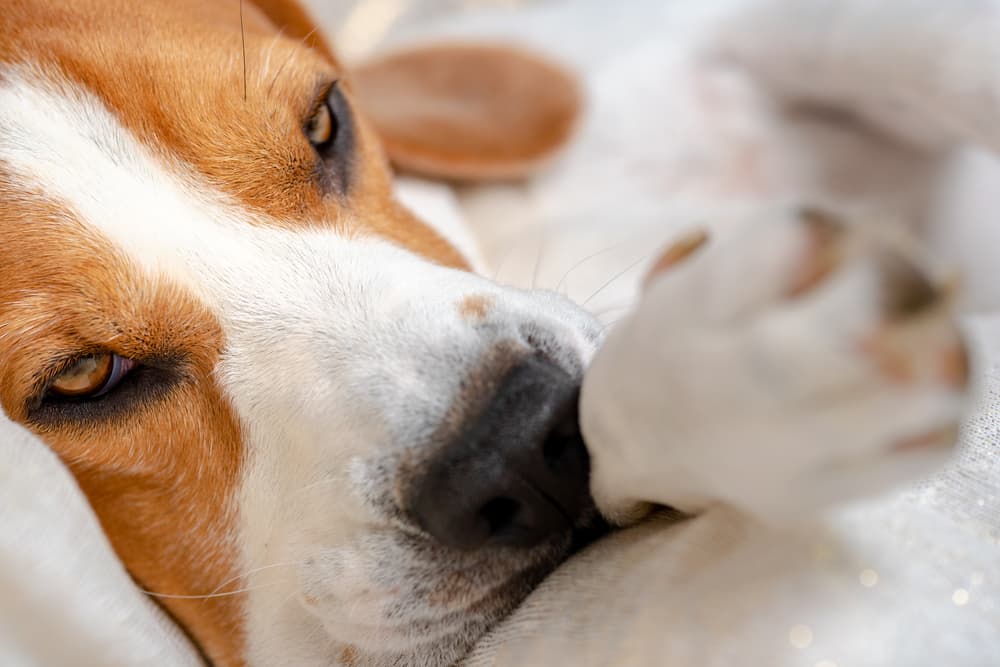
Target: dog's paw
[[801, 362]]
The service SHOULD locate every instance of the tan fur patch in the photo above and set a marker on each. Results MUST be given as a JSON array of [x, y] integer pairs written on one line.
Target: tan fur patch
[[172, 71], [469, 111], [161, 476], [475, 307]]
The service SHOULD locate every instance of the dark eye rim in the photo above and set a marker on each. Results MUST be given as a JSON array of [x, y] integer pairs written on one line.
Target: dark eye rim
[[149, 380], [335, 161]]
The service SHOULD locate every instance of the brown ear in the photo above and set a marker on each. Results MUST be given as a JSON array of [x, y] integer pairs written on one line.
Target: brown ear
[[295, 22], [468, 112]]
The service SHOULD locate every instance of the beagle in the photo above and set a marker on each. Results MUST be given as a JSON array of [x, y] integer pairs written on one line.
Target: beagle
[[306, 427]]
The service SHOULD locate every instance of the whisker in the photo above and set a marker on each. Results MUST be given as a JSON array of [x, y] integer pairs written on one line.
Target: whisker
[[611, 309], [585, 260], [503, 260], [613, 322], [617, 276], [265, 68], [291, 54], [167, 596], [243, 43], [538, 260], [215, 592], [321, 482]]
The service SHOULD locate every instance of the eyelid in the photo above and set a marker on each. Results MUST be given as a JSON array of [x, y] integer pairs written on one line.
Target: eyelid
[[43, 383], [120, 367], [40, 386]]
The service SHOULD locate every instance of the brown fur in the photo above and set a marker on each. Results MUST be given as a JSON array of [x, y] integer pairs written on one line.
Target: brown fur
[[139, 473], [475, 307], [469, 112], [163, 478]]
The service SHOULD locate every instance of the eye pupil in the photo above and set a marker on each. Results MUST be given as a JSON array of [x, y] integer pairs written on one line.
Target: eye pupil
[[322, 127]]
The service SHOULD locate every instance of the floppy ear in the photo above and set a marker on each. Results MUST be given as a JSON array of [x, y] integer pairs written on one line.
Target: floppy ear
[[468, 112]]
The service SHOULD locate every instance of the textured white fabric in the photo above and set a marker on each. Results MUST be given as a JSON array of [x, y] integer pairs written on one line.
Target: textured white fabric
[[65, 599], [911, 579]]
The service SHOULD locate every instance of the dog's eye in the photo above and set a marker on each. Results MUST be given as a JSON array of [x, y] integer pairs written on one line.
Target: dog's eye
[[322, 127], [331, 133], [91, 376]]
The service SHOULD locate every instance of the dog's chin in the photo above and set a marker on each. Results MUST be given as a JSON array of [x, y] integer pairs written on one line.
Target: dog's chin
[[429, 608], [444, 640], [507, 598], [432, 611]]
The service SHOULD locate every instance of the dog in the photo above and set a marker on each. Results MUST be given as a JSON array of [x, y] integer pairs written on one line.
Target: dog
[[249, 353], [307, 427]]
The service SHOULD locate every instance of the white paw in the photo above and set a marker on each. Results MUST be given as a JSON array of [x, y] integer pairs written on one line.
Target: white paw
[[799, 363]]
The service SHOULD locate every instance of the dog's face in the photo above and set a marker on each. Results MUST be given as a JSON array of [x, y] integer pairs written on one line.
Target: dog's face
[[302, 423]]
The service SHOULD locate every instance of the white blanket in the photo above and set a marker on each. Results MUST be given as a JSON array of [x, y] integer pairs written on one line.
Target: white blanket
[[64, 597], [912, 578]]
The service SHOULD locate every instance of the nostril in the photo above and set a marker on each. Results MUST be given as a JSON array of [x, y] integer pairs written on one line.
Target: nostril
[[499, 513], [555, 448], [561, 449]]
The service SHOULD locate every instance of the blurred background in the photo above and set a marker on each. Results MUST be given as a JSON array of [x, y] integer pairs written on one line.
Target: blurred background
[[359, 25]]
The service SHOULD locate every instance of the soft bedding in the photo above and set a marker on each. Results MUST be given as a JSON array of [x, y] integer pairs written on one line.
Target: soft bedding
[[908, 578]]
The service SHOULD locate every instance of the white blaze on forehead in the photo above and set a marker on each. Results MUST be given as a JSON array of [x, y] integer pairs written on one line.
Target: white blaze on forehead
[[64, 142]]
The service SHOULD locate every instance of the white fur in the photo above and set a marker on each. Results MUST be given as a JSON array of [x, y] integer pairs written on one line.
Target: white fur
[[341, 353], [317, 323]]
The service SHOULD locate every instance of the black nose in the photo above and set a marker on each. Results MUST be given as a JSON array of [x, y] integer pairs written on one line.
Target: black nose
[[517, 474]]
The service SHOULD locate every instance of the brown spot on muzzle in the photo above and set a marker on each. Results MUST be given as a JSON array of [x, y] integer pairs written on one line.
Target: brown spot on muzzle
[[475, 307]]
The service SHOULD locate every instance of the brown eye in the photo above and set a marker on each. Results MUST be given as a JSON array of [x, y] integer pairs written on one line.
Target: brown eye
[[331, 133], [320, 129], [91, 376]]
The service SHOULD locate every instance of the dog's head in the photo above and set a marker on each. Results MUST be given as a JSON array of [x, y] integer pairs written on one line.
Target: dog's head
[[302, 422]]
